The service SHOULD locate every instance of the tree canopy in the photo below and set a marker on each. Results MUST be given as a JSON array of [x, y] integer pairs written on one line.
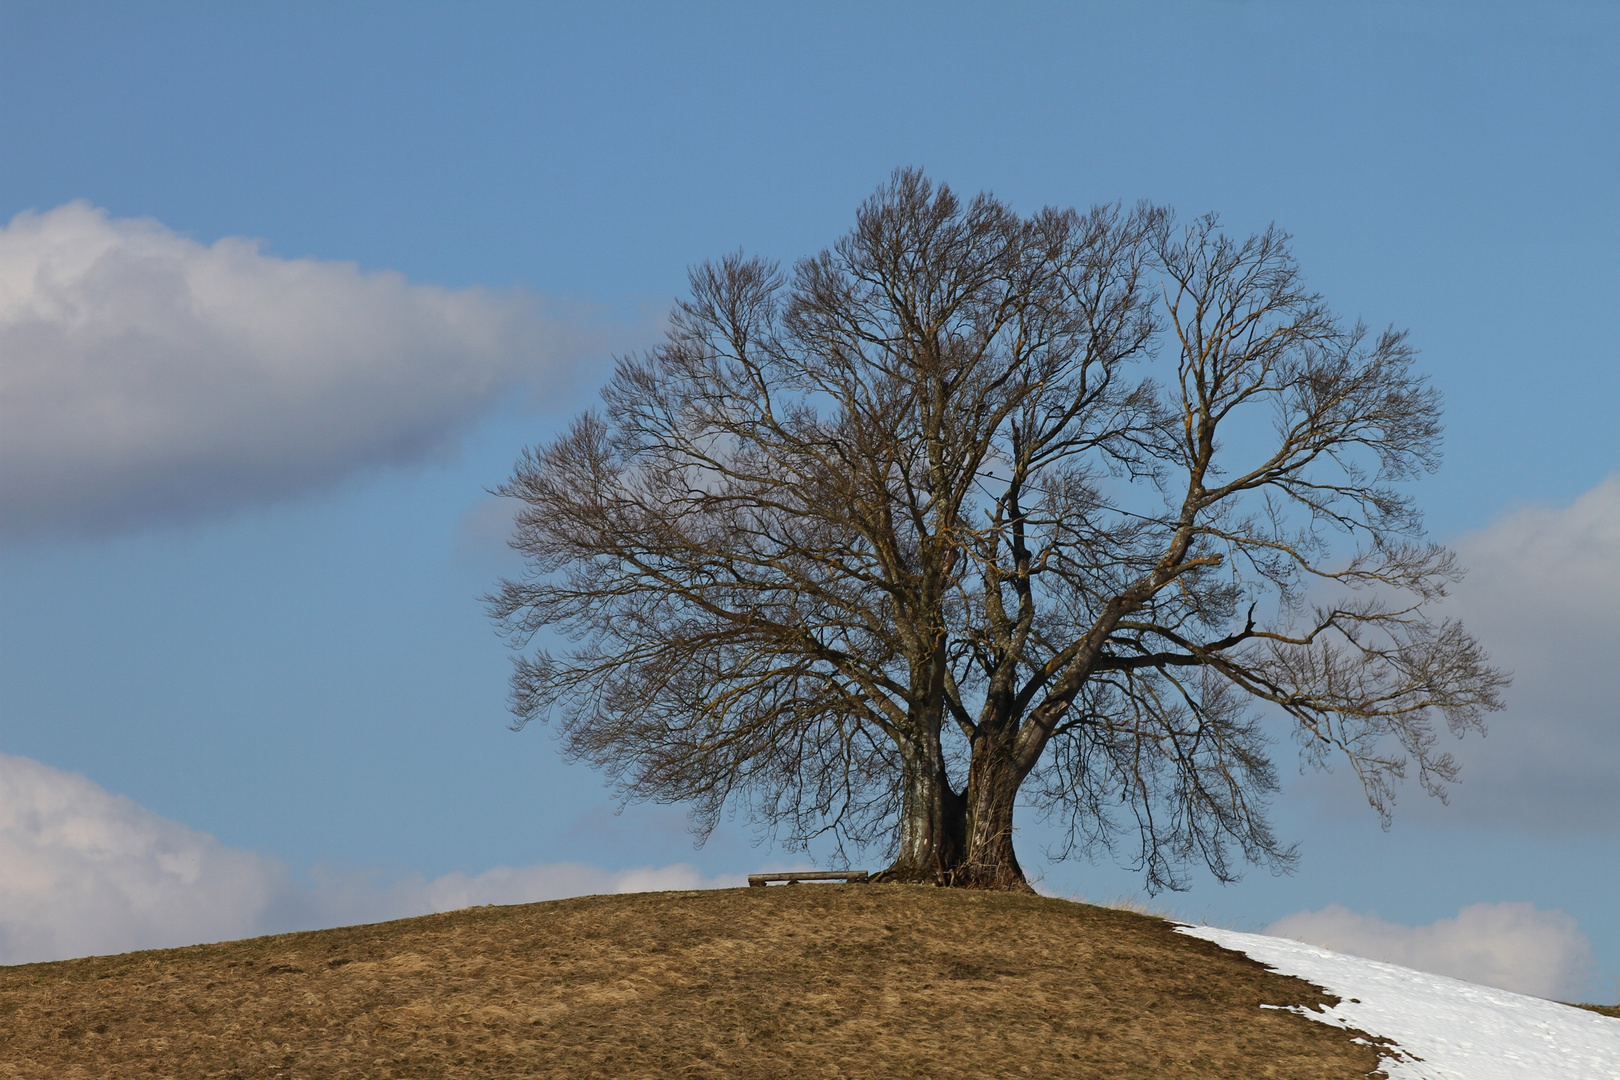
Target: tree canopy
[[974, 509]]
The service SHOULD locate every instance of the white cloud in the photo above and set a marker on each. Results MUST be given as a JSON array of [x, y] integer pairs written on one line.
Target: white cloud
[[342, 899], [149, 377], [1511, 946], [86, 872], [1542, 592]]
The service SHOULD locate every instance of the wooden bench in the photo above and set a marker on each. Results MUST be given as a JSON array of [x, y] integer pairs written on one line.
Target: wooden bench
[[793, 877]]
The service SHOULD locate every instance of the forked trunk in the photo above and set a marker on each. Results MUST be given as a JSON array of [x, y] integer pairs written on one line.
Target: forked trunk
[[989, 861], [932, 823]]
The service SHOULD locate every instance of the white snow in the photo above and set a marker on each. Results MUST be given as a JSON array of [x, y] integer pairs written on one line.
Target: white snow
[[1443, 1029]]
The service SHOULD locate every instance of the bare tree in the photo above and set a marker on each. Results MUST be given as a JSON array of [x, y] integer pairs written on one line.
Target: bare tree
[[877, 547]]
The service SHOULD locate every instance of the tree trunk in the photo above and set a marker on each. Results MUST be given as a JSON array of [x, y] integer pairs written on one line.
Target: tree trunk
[[932, 821], [989, 861]]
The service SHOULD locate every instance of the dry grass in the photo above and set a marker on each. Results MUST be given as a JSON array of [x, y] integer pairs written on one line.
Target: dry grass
[[814, 981]]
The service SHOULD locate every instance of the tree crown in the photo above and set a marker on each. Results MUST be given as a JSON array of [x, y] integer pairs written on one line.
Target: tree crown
[[1063, 498]]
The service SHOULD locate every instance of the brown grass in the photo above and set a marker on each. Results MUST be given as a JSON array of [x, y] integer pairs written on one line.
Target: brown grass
[[813, 981]]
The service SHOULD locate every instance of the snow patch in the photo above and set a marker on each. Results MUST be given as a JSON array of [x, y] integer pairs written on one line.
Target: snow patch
[[1442, 1028]]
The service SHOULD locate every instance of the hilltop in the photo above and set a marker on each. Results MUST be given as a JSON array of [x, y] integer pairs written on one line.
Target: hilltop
[[823, 981]]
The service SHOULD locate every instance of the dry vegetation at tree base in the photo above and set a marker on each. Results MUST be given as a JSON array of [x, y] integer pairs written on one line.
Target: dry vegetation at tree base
[[810, 980]]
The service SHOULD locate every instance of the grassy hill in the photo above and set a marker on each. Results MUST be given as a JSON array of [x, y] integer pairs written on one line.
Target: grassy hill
[[813, 981]]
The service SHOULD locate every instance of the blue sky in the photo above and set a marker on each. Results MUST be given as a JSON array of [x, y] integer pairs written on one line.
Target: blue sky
[[252, 608]]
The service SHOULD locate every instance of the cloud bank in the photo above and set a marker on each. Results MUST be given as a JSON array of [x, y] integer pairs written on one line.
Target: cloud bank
[[1510, 946], [148, 377], [1541, 593], [85, 872]]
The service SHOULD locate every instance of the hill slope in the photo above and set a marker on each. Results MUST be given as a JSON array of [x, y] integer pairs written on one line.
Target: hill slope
[[823, 981]]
